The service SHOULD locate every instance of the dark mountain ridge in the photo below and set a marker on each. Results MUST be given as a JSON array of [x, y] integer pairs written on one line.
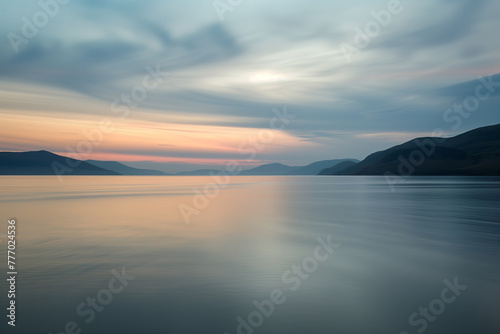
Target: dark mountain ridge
[[46, 163], [476, 152]]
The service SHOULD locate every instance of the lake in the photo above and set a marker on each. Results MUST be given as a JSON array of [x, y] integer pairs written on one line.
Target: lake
[[284, 254]]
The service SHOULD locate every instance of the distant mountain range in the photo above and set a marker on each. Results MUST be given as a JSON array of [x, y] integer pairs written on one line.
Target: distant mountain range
[[47, 163], [124, 170], [337, 168], [279, 169], [476, 152], [199, 172], [316, 167]]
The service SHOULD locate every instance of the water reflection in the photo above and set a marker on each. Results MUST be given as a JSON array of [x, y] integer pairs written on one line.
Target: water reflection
[[397, 248]]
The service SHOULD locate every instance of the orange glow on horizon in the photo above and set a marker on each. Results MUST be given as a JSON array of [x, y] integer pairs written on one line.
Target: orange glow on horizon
[[134, 140]]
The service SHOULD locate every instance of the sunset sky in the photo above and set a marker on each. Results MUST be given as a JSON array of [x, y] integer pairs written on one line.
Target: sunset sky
[[183, 83]]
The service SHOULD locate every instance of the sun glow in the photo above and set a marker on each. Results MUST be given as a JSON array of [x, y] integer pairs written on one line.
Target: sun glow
[[267, 77]]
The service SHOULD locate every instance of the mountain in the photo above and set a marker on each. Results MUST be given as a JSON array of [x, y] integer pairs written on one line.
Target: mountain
[[269, 169], [279, 169], [476, 152], [316, 167], [46, 163], [123, 169], [337, 168], [199, 172]]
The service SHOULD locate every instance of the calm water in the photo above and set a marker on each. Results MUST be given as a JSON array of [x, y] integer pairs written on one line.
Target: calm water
[[396, 250]]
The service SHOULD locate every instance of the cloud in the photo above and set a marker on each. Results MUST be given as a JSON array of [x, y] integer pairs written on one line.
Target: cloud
[[92, 52], [454, 24], [94, 64]]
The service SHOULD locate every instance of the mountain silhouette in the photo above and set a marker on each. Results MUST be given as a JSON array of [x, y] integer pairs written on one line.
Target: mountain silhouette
[[337, 168], [279, 169], [316, 167], [46, 163], [476, 152], [199, 172], [123, 169], [269, 169]]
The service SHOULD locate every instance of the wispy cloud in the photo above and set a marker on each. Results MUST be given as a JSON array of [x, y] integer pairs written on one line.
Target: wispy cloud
[[229, 74]]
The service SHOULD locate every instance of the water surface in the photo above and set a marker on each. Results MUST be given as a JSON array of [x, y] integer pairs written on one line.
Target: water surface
[[396, 249]]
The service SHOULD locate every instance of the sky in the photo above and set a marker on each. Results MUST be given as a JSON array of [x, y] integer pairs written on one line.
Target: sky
[[201, 82]]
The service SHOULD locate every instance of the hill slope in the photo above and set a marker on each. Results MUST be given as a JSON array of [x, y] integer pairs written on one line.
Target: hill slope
[[46, 163], [476, 152], [123, 169], [337, 168], [269, 169], [199, 172], [316, 167]]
